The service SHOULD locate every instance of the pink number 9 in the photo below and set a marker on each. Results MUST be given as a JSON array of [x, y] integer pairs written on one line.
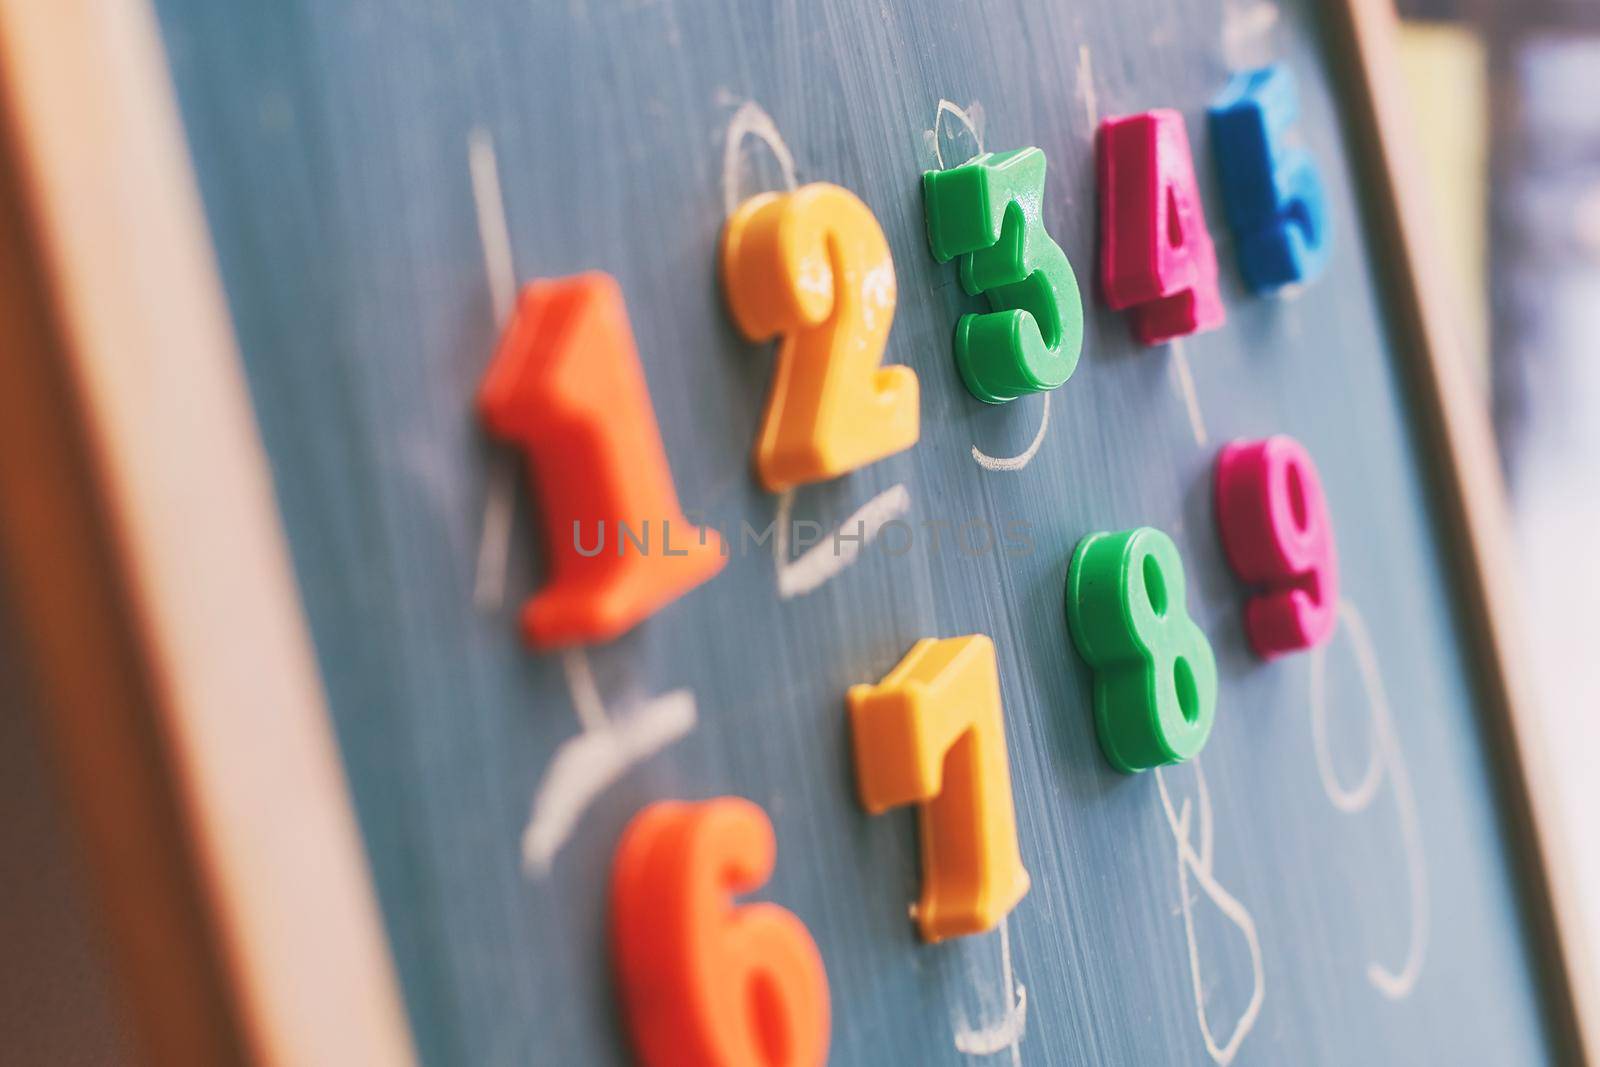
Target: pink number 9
[[1276, 532]]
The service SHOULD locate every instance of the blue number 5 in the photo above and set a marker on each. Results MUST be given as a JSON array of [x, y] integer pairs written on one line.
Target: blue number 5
[[1272, 192]]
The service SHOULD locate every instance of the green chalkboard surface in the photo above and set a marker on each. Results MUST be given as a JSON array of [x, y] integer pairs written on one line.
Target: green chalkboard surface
[[1329, 882]]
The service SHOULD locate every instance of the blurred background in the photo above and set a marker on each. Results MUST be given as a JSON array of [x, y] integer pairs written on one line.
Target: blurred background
[[1504, 101]]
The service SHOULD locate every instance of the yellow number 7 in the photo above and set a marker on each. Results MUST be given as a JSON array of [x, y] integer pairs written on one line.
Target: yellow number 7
[[813, 265], [932, 732]]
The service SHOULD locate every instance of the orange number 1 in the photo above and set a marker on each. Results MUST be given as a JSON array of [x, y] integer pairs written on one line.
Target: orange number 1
[[566, 384], [813, 265]]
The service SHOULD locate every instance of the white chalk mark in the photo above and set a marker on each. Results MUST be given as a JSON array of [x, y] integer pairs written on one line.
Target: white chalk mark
[[493, 232], [1008, 1032], [488, 587], [1387, 760], [1357, 798], [1020, 460], [1191, 401], [1247, 27], [586, 765], [1197, 864], [1086, 89], [970, 117], [494, 545], [1178, 820], [840, 548], [751, 121], [586, 702]]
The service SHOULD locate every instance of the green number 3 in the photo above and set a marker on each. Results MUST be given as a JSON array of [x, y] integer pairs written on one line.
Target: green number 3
[[989, 211], [1155, 681]]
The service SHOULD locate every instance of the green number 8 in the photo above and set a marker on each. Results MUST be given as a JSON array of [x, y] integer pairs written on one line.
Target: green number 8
[[1155, 682]]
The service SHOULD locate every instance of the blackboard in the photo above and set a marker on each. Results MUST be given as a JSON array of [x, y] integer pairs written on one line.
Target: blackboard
[[1331, 881]]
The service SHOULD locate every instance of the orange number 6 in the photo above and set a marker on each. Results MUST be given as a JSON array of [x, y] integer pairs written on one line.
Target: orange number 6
[[705, 983]]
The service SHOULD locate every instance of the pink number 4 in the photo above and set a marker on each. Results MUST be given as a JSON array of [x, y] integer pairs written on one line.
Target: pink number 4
[[1156, 256]]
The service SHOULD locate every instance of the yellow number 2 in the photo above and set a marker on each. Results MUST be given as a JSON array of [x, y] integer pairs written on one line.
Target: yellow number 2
[[932, 733], [813, 266]]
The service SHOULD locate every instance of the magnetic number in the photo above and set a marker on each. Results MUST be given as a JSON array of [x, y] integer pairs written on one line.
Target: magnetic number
[[705, 983], [1272, 192], [989, 210], [566, 385], [1155, 679], [1156, 256], [813, 266], [932, 733], [1276, 531]]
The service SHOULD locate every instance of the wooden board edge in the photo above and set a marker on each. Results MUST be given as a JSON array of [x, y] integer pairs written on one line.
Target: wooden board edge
[[233, 773], [1471, 494], [72, 629]]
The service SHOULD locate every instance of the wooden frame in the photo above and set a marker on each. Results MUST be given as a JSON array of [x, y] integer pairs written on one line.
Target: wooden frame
[[152, 578], [1472, 513], [132, 484]]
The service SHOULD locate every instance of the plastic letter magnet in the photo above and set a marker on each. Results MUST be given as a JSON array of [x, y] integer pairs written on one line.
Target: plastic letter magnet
[[566, 385], [1156, 256], [705, 982], [1155, 678], [1272, 193], [932, 733], [988, 211], [1277, 533]]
